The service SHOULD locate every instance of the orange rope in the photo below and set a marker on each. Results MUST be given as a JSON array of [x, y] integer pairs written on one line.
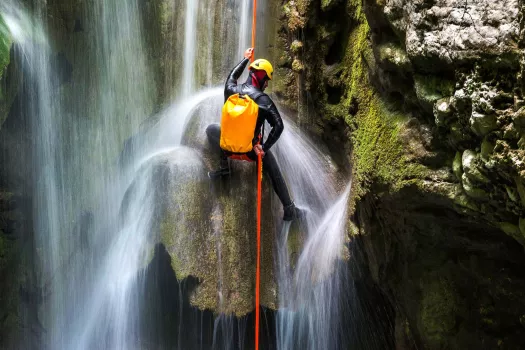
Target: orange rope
[[258, 271], [259, 191], [254, 26]]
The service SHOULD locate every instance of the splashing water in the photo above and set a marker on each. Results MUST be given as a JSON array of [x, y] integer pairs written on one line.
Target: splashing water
[[309, 286]]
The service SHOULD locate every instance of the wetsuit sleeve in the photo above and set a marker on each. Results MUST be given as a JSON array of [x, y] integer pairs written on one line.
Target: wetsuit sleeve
[[273, 117], [231, 82]]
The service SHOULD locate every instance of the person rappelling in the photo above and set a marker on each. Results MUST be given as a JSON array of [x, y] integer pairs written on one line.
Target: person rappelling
[[240, 135]]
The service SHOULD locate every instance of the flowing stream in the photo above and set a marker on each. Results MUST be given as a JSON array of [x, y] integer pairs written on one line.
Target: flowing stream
[[96, 185]]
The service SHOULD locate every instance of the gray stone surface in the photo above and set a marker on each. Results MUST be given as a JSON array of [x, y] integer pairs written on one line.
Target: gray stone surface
[[454, 30]]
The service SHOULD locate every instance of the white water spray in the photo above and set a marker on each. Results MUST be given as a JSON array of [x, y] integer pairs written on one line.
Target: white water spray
[[190, 37], [309, 288]]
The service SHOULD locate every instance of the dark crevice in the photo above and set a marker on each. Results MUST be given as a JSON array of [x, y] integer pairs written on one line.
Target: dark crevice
[[354, 106], [334, 94], [339, 23], [169, 321]]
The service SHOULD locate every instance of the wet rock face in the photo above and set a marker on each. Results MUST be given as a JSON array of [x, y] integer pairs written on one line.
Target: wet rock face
[[465, 67], [209, 226], [439, 173], [455, 31], [5, 48]]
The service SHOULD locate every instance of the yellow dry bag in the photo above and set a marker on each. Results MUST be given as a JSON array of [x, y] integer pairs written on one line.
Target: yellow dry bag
[[239, 116]]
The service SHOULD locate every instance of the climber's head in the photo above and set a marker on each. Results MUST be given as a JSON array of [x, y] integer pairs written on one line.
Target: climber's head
[[261, 72]]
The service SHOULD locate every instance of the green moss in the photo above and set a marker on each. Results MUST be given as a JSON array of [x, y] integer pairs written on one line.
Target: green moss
[[296, 46], [431, 88], [168, 232], [438, 309], [326, 4], [513, 231], [297, 66], [6, 96], [487, 148], [296, 20], [457, 166], [5, 46], [377, 150], [209, 233]]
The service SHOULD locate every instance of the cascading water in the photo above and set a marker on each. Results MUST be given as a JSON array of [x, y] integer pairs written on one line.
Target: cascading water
[[309, 285], [48, 156], [74, 158], [96, 280], [190, 36]]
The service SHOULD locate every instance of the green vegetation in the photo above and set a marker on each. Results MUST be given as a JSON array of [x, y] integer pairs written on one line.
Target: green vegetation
[[5, 46], [439, 307], [378, 153]]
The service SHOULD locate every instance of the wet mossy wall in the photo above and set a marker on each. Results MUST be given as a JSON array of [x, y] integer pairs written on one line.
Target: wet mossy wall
[[427, 119], [5, 46], [5, 49], [338, 101]]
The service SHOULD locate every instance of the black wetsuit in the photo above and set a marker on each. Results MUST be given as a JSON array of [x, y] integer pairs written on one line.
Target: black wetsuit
[[267, 112]]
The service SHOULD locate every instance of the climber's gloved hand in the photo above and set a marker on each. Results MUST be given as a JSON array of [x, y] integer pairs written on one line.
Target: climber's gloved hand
[[258, 149], [248, 53]]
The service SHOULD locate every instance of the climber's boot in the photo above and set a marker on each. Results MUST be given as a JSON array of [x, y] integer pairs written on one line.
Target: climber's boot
[[218, 173], [223, 171], [291, 212]]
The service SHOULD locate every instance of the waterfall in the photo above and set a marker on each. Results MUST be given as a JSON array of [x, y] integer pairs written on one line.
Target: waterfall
[[309, 284], [99, 180], [78, 136], [245, 6], [190, 37], [48, 156]]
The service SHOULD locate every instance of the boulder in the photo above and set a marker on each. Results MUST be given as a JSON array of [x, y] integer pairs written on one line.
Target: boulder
[[442, 111], [471, 167], [482, 124], [472, 191], [209, 226], [429, 89]]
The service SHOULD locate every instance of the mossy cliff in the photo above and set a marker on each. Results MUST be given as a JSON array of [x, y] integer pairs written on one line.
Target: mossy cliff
[[422, 101], [5, 48]]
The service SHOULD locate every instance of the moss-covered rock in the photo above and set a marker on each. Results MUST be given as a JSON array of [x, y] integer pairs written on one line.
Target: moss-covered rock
[[209, 230], [429, 89], [471, 167], [482, 124], [433, 128], [438, 310], [5, 45], [393, 56], [5, 48], [296, 46], [442, 111]]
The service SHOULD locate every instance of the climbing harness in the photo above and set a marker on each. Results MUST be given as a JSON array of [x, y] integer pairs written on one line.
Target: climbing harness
[[259, 191]]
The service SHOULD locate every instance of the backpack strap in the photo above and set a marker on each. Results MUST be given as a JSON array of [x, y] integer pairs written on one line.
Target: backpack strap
[[254, 95]]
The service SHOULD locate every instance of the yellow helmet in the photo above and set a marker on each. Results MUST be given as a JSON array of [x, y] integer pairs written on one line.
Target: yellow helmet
[[262, 64]]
